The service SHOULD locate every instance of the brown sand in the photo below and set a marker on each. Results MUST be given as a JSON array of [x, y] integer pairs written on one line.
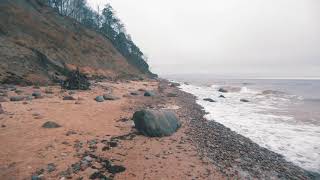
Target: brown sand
[[27, 147]]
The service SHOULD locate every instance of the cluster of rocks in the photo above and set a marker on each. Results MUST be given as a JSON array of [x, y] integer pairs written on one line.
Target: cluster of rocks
[[234, 154]]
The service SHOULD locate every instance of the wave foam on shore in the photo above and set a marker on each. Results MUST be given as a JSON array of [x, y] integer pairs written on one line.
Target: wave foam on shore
[[264, 120]]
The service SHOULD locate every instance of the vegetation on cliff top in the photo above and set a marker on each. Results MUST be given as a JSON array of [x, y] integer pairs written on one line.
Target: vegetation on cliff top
[[107, 23]]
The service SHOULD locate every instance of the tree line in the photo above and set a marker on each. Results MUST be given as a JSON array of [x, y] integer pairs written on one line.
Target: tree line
[[107, 23]]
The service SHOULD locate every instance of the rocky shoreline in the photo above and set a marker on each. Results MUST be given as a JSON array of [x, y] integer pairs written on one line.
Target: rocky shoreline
[[234, 154]]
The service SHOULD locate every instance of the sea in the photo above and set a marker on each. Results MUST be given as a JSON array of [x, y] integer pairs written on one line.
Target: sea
[[282, 115]]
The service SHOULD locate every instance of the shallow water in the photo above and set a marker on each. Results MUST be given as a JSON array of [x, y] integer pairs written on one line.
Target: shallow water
[[282, 115]]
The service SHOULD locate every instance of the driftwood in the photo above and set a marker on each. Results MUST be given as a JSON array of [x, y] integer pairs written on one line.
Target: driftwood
[[76, 80]]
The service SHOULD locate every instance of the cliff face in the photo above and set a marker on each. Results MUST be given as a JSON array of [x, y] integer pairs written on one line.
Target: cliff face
[[37, 45]]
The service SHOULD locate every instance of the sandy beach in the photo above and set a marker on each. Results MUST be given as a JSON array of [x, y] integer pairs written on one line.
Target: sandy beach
[[94, 131]]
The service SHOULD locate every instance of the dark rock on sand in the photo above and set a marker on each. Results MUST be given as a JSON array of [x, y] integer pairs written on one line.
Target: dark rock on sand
[[37, 95], [149, 93], [244, 100], [1, 110], [134, 93], [99, 99], [209, 100], [18, 91], [51, 167], [172, 95], [99, 175], [17, 98], [222, 90], [68, 98], [110, 97], [116, 169], [156, 123], [173, 84], [50, 124], [222, 96]]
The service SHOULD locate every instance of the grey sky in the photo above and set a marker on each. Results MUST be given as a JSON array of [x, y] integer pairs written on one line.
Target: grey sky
[[263, 37]]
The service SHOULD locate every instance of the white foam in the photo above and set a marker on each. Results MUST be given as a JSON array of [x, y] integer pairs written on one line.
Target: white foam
[[298, 142]]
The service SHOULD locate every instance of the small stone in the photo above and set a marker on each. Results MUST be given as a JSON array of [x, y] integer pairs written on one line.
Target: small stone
[[244, 100], [76, 167], [1, 109], [88, 158], [36, 94], [209, 100], [51, 167], [149, 94], [222, 96], [116, 169], [50, 124], [134, 93], [222, 90], [68, 98], [172, 95], [99, 99], [113, 144], [17, 98], [110, 97], [98, 175]]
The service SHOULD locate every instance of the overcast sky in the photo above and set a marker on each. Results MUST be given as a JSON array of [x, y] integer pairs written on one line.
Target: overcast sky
[[226, 37]]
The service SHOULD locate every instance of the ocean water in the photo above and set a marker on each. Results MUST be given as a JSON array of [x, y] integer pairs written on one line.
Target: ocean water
[[282, 115]]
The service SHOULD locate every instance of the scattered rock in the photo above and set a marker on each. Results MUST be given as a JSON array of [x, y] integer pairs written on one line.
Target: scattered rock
[[99, 175], [113, 144], [156, 123], [1, 109], [18, 91], [51, 167], [70, 133], [134, 93], [17, 98], [50, 124], [222, 96], [172, 95], [37, 94], [110, 97], [149, 93], [76, 167], [244, 100], [3, 99], [173, 84], [68, 98], [209, 100], [99, 99], [48, 91], [116, 169], [222, 90]]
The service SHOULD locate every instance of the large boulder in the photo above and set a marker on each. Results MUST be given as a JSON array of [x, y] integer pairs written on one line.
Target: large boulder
[[156, 123]]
